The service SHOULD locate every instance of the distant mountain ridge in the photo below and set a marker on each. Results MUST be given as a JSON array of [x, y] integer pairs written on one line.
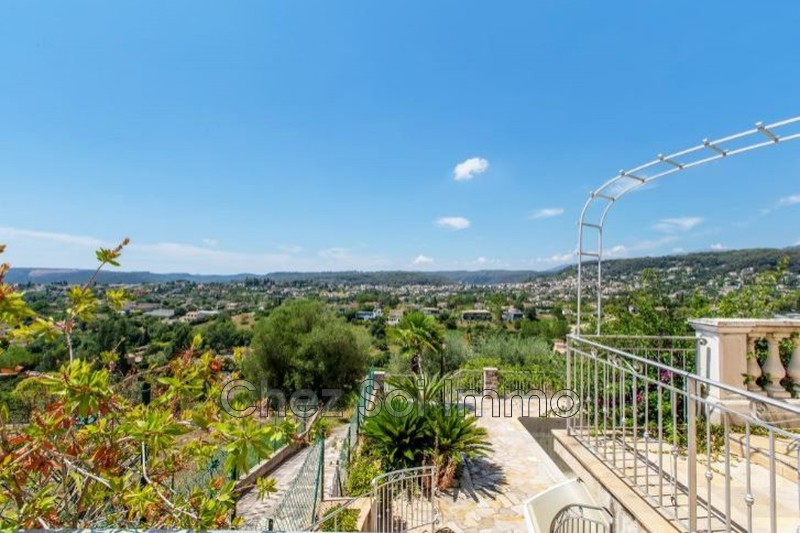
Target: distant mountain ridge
[[714, 262]]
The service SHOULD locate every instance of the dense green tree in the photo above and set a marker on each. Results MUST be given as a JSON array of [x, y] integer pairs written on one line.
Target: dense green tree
[[448, 319], [513, 351], [761, 297], [648, 310], [455, 352], [222, 335], [304, 345]]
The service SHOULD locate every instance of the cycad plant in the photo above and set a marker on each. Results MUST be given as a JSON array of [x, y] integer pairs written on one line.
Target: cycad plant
[[402, 441], [453, 435], [427, 432], [424, 390]]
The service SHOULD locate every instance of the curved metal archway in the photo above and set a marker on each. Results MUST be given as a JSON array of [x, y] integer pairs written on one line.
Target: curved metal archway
[[607, 195]]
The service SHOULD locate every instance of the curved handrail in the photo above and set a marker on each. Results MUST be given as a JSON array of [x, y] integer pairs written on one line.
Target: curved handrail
[[406, 472], [326, 518], [578, 511]]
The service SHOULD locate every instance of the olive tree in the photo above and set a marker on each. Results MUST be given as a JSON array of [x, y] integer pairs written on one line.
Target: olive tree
[[303, 344]]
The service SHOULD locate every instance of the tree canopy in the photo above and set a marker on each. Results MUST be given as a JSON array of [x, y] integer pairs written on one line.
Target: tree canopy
[[305, 345]]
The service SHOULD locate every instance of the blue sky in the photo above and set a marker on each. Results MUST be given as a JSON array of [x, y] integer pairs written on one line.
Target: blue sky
[[259, 136]]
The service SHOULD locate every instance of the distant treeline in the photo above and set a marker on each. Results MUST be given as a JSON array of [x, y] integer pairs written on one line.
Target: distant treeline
[[709, 263]]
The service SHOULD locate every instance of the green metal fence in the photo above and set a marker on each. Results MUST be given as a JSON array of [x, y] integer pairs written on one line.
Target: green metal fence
[[185, 484], [297, 511], [351, 438]]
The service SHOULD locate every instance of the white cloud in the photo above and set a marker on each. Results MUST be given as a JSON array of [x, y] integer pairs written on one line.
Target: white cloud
[[560, 258], [422, 260], [786, 201], [789, 200], [339, 258], [487, 261], [291, 248], [466, 170], [617, 251], [179, 257], [335, 253], [653, 244], [678, 251], [717, 247], [673, 225], [548, 212], [457, 223], [557, 259], [210, 242], [639, 246], [59, 238], [30, 248]]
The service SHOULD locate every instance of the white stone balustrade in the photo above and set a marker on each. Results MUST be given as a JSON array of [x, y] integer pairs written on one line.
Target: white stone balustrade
[[727, 353]]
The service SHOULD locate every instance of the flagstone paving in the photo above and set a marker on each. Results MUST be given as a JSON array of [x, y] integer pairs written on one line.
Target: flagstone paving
[[495, 488]]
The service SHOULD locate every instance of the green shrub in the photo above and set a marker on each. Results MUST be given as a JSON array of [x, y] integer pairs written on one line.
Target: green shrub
[[438, 435], [346, 520], [363, 469], [401, 441], [321, 429], [18, 356]]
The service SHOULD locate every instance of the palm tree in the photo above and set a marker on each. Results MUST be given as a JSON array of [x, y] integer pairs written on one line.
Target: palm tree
[[418, 333]]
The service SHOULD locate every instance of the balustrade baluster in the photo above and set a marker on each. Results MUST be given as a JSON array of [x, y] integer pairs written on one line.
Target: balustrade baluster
[[774, 368]]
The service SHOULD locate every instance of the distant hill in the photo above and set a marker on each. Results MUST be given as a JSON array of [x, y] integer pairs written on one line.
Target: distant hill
[[711, 263], [393, 278], [76, 276]]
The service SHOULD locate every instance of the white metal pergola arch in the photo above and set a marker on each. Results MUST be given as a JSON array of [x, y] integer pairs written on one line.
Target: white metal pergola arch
[[607, 195]]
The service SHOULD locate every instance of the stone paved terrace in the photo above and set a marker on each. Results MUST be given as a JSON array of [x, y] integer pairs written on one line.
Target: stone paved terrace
[[517, 469]]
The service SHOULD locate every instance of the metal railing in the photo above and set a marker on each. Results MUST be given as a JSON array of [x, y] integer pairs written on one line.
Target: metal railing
[[673, 351], [467, 380], [298, 508], [339, 517], [404, 500], [727, 464], [400, 501], [351, 438], [578, 518]]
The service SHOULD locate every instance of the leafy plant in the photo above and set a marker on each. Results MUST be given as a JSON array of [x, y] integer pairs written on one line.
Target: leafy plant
[[422, 390], [92, 457], [321, 429], [362, 470], [426, 432], [344, 520], [453, 435], [401, 441]]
